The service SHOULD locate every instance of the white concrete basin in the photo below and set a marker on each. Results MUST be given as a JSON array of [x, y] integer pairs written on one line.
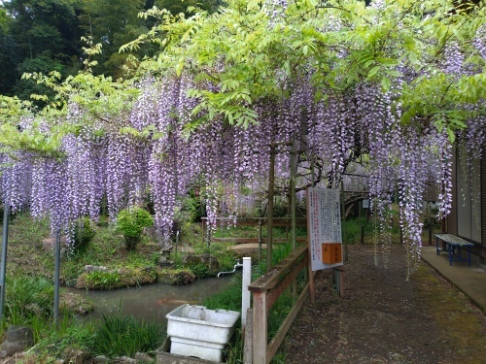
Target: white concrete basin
[[200, 332]]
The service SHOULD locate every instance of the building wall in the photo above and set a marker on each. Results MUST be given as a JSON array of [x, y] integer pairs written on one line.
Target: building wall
[[462, 220], [469, 202]]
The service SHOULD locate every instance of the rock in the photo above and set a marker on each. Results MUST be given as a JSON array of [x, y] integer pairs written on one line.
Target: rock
[[149, 248], [18, 338], [165, 262], [49, 244], [16, 358], [95, 268], [143, 358], [137, 276], [123, 360], [75, 356], [179, 277], [75, 303], [116, 278], [100, 359]]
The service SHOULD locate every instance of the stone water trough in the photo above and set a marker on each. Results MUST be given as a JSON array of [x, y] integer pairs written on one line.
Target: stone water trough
[[200, 332]]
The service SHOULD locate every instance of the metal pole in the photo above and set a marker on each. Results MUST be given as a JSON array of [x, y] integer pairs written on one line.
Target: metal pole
[[271, 182], [6, 213], [57, 255]]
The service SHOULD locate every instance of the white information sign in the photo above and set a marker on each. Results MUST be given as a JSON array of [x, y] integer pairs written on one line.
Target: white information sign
[[323, 224]]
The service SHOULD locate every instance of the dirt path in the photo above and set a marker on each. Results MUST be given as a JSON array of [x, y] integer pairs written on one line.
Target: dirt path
[[385, 319]]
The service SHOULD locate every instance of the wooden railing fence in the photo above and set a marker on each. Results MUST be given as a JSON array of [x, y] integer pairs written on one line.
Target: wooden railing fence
[[266, 290]]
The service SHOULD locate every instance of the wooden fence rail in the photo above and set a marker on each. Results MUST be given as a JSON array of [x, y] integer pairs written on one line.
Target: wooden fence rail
[[266, 290], [257, 221]]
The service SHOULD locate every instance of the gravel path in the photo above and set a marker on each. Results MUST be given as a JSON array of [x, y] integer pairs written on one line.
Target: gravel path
[[384, 318]]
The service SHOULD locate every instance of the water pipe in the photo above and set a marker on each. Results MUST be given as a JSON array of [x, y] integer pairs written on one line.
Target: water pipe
[[237, 265]]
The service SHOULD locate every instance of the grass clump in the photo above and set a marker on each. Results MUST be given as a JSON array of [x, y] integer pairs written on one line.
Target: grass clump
[[28, 298], [103, 279], [229, 299], [62, 342], [117, 336]]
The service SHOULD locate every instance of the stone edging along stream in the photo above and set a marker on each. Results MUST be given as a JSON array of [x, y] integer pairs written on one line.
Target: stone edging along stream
[[103, 278]]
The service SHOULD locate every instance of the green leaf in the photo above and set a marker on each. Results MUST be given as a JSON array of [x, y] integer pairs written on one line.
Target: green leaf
[[452, 136], [385, 84], [373, 72]]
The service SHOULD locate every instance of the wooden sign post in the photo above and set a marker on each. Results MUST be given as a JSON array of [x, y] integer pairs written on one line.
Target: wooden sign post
[[323, 230]]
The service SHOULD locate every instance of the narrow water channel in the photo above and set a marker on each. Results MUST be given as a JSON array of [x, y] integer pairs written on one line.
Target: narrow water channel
[[152, 302]]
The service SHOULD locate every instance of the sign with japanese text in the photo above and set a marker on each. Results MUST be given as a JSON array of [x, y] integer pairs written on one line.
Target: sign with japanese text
[[324, 227]]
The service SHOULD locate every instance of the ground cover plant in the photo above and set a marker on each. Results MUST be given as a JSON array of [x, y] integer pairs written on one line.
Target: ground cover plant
[[125, 336]]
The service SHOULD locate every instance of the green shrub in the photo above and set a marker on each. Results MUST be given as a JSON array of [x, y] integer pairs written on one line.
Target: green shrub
[[83, 234], [131, 223], [200, 270], [126, 335], [353, 229]]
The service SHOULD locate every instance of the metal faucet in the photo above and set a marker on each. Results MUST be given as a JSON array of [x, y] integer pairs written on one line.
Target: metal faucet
[[237, 265]]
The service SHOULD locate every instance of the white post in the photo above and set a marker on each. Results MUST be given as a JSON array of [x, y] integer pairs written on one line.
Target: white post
[[246, 294]]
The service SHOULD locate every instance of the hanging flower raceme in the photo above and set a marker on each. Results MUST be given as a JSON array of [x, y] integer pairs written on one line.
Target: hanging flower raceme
[[50, 195], [16, 179]]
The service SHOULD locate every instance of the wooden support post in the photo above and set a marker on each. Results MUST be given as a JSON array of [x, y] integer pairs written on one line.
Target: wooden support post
[[248, 339], [312, 288], [260, 239], [271, 184], [202, 228], [341, 282], [260, 327], [343, 219]]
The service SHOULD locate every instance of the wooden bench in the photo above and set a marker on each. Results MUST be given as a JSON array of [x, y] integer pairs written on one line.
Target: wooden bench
[[452, 242]]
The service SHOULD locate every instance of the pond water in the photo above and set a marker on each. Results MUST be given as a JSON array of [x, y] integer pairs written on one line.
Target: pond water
[[152, 302]]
